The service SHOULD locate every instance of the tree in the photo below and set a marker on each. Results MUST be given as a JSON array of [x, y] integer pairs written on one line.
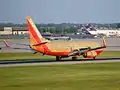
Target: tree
[[118, 25]]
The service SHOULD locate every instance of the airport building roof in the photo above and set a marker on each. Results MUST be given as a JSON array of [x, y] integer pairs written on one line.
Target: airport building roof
[[19, 29]]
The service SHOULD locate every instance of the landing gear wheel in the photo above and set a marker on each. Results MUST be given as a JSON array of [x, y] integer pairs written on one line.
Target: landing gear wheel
[[58, 58], [94, 58], [74, 58]]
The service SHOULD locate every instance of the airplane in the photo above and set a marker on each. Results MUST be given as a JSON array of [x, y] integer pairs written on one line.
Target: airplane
[[62, 49], [107, 33]]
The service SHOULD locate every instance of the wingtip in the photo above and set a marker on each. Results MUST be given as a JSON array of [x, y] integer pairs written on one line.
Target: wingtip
[[6, 43]]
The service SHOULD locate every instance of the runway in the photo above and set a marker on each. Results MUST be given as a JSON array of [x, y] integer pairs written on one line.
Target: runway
[[12, 63]]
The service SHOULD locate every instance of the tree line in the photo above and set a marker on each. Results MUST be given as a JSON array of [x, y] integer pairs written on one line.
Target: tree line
[[63, 27]]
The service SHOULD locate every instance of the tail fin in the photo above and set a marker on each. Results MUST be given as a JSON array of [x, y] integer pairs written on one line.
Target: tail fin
[[35, 36], [103, 43]]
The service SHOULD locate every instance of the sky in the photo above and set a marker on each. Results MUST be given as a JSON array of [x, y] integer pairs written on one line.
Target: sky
[[60, 11]]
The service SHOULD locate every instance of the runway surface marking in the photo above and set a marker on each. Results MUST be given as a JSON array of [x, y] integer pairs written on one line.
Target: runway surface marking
[[57, 63]]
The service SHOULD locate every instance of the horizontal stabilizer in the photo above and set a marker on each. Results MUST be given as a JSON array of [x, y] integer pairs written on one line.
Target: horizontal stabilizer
[[40, 43]]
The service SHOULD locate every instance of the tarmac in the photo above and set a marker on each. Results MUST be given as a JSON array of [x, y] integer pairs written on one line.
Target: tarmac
[[57, 63]]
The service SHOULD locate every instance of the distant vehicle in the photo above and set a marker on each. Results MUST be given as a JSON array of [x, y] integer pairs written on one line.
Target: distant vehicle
[[62, 49]]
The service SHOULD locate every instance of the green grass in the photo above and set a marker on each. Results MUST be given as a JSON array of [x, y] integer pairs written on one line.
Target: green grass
[[24, 56], [110, 54], [104, 76]]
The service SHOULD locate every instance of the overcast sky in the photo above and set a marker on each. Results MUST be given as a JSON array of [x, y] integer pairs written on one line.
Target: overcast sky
[[59, 11]]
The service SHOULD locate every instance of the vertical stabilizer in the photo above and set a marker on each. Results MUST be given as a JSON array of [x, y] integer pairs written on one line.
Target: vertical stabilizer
[[35, 36]]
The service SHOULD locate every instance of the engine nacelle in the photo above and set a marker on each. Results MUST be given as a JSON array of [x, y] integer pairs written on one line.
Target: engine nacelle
[[90, 54]]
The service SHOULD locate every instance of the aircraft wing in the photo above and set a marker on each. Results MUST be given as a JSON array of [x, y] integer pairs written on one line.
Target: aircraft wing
[[82, 51], [9, 42], [78, 51], [15, 48]]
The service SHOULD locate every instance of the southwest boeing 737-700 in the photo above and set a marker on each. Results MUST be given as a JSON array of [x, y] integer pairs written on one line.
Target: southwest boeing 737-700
[[64, 48]]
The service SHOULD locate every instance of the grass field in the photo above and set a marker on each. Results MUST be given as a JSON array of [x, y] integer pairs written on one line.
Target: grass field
[[24, 56], [104, 76]]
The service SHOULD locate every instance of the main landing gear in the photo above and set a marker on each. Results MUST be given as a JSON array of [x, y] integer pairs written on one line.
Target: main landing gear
[[58, 58], [94, 58]]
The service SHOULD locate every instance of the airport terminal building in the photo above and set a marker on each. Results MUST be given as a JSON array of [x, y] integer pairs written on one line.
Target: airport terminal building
[[13, 30]]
